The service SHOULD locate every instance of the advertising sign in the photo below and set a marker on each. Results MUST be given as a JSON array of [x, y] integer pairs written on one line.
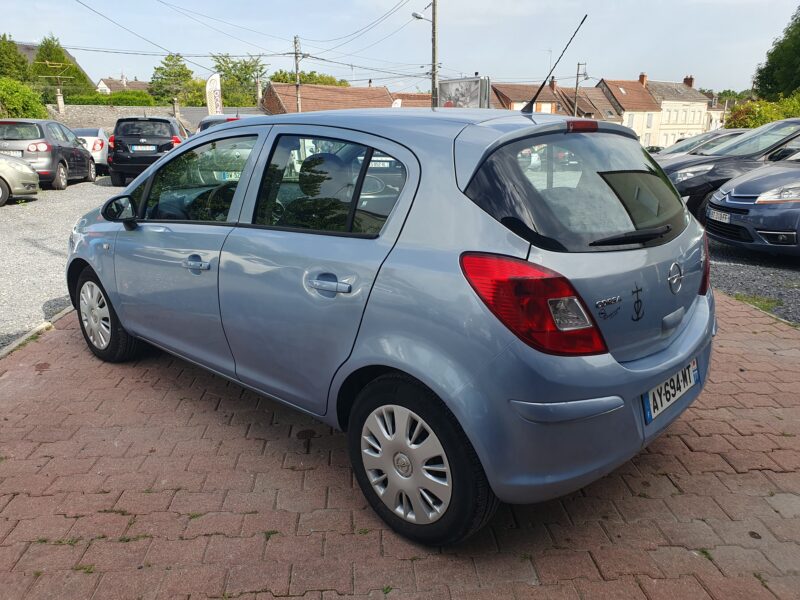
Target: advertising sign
[[214, 95]]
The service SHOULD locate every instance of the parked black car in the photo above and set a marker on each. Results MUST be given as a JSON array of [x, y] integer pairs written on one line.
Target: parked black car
[[697, 176], [138, 142], [51, 148], [759, 210]]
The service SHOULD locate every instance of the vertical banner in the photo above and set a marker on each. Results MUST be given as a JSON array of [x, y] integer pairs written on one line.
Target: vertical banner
[[214, 95]]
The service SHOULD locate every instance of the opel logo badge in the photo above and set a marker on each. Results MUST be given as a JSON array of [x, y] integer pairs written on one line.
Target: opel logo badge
[[675, 278]]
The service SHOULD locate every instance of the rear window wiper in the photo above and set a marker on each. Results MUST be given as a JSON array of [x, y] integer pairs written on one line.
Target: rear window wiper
[[633, 237]]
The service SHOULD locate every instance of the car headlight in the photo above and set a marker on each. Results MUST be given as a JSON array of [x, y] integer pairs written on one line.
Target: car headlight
[[788, 193], [20, 168], [689, 172]]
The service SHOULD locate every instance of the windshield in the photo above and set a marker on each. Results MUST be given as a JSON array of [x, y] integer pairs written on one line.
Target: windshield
[[144, 128], [687, 144], [757, 140], [19, 131], [706, 147], [573, 189]]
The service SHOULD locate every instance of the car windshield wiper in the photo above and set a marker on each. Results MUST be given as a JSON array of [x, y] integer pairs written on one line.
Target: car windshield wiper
[[633, 237]]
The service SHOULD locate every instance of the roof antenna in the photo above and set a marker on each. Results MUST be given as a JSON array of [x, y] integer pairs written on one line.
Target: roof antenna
[[528, 108]]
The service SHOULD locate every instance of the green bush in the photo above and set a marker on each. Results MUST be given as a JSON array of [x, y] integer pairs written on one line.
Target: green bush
[[760, 112], [19, 101], [124, 98]]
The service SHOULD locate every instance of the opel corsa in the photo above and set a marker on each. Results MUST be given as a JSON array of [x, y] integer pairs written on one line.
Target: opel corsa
[[484, 326]]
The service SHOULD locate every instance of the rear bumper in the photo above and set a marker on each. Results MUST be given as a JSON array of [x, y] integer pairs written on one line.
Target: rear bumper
[[534, 451], [45, 167], [774, 229], [130, 163]]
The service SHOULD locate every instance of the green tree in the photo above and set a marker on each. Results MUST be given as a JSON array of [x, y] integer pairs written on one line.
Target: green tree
[[52, 68], [779, 75], [18, 100], [122, 98], [282, 76], [170, 79], [194, 94], [239, 78], [12, 63]]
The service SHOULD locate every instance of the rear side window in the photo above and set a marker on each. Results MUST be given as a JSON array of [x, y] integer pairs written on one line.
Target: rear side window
[[572, 189], [19, 131], [56, 132], [144, 128], [328, 185]]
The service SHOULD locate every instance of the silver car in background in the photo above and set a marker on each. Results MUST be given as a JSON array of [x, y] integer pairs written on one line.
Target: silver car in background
[[97, 143], [17, 178], [483, 330]]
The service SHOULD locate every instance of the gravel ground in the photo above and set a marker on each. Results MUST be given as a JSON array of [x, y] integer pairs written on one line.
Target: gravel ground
[[760, 275], [34, 234]]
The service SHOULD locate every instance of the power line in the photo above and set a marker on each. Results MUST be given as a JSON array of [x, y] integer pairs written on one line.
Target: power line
[[397, 7], [375, 22], [149, 53], [141, 37]]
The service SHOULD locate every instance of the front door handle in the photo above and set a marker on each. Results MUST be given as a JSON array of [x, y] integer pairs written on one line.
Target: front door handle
[[196, 265], [330, 286]]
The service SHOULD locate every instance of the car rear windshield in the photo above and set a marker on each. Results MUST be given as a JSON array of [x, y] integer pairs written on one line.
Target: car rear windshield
[[10, 130], [141, 127], [87, 131], [574, 192]]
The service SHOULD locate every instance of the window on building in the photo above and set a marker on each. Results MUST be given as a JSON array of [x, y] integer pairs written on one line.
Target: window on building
[[649, 121], [647, 139], [683, 116], [630, 119]]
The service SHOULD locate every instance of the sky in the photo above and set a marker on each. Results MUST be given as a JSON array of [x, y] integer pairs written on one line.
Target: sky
[[720, 42]]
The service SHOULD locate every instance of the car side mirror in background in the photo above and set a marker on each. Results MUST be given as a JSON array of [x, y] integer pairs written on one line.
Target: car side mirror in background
[[120, 209], [83, 142]]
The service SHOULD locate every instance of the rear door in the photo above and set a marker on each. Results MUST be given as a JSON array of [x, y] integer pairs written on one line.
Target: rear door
[[80, 154], [167, 267], [296, 274], [61, 148], [589, 192]]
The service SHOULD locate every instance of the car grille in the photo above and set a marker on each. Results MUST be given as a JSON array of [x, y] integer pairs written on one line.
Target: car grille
[[733, 232], [729, 209]]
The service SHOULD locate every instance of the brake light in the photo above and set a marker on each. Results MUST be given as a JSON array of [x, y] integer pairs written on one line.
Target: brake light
[[111, 142], [540, 306], [581, 125], [98, 145], [176, 140], [39, 147], [229, 119], [705, 282]]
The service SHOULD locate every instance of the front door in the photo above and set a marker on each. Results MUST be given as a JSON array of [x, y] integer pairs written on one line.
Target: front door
[[295, 281], [167, 267], [80, 156]]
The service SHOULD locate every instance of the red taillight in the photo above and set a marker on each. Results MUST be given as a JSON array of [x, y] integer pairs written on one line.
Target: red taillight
[[111, 142], [229, 119], [176, 140], [538, 305], [705, 282], [98, 145], [578, 126], [39, 147]]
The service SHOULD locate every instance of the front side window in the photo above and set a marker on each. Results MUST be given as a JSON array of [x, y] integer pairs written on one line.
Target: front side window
[[199, 185], [583, 188], [328, 185]]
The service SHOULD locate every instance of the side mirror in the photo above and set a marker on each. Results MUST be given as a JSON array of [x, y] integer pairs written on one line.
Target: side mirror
[[120, 209], [83, 142]]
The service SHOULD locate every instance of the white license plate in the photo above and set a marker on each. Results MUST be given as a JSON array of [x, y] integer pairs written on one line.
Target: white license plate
[[227, 175], [17, 153], [718, 215], [143, 148], [663, 395]]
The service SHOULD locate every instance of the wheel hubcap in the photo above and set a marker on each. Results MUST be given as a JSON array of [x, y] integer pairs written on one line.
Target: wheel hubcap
[[95, 316], [406, 464]]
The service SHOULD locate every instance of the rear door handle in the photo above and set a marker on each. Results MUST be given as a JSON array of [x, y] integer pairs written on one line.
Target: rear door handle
[[196, 265], [330, 286]]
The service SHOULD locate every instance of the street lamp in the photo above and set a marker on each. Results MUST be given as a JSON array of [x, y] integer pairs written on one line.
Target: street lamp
[[434, 61]]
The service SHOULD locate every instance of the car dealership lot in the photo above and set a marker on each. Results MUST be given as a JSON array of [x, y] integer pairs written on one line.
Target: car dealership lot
[[155, 479]]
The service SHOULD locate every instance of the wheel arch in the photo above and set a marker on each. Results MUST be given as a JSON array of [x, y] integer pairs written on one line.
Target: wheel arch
[[74, 271]]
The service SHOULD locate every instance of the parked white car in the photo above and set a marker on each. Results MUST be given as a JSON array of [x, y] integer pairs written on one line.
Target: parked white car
[[97, 143]]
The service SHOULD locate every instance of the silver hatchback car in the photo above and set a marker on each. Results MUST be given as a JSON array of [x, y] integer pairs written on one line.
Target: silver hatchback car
[[484, 332]]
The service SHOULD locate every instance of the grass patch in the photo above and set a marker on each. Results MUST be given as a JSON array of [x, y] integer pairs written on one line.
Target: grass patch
[[88, 569], [386, 589], [270, 533], [37, 574], [133, 538], [762, 302], [194, 515], [115, 511], [42, 540], [363, 531], [706, 553], [67, 541]]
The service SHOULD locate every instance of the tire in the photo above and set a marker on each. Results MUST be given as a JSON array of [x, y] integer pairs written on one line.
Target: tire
[[99, 323], [117, 179], [61, 177], [92, 174], [423, 514], [5, 192]]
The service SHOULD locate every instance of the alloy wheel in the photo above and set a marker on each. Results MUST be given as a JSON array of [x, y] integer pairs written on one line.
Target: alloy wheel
[[406, 464], [95, 315]]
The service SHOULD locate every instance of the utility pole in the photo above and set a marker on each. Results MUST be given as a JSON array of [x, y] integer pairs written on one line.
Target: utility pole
[[434, 59], [297, 57], [577, 80]]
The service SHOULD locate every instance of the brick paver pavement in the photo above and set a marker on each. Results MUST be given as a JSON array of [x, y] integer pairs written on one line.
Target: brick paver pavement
[[158, 480]]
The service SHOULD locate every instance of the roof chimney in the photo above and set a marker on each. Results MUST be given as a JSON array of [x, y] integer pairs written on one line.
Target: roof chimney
[[553, 83], [643, 79], [689, 80]]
